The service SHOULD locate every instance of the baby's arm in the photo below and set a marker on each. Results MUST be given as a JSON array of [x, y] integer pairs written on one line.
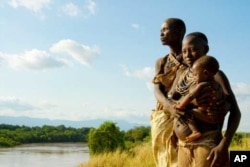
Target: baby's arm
[[193, 93]]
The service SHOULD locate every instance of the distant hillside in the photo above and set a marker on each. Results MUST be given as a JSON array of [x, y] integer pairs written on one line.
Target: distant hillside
[[28, 121]]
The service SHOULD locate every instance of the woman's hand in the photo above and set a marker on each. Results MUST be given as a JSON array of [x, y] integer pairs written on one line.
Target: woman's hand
[[219, 156]]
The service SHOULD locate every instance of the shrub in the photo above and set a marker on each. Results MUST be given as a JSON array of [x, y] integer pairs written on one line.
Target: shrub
[[106, 138]]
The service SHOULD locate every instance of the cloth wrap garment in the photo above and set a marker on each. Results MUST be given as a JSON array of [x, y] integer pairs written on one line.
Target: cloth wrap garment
[[165, 154]]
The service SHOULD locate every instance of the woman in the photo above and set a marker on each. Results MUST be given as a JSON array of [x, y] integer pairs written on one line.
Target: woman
[[211, 147]]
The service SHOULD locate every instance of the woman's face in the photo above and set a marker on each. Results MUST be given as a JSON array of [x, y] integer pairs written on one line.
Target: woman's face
[[192, 49]]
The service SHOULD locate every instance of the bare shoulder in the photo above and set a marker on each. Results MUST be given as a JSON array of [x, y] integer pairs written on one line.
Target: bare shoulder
[[158, 64], [220, 76], [222, 79], [159, 61]]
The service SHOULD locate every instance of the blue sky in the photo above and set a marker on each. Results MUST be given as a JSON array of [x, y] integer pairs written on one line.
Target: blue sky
[[91, 59]]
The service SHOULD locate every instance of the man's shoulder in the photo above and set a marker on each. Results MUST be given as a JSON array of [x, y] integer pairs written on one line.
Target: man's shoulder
[[161, 60]]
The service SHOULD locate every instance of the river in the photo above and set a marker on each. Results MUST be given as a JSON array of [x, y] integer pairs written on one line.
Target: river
[[44, 155]]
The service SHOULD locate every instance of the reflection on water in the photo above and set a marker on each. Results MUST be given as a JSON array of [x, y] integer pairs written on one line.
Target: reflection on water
[[44, 155]]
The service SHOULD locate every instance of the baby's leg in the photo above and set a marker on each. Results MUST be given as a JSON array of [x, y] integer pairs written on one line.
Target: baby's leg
[[181, 128], [193, 136], [195, 132]]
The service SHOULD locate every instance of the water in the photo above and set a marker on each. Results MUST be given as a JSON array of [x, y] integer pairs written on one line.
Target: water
[[44, 155]]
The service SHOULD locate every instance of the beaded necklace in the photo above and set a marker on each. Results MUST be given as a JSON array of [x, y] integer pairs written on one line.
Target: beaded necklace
[[185, 82], [174, 60]]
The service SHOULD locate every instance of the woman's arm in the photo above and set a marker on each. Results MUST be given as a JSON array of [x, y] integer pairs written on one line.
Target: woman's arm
[[221, 150], [234, 112]]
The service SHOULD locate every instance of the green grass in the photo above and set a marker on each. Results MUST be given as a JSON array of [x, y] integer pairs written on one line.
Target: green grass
[[243, 145]]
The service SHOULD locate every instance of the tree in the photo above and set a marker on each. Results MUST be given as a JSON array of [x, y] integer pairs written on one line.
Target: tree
[[137, 134], [106, 138]]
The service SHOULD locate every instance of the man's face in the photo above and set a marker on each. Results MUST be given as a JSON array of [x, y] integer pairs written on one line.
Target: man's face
[[168, 34]]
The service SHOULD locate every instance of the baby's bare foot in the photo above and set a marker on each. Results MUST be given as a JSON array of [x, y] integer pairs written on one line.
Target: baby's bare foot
[[193, 136]]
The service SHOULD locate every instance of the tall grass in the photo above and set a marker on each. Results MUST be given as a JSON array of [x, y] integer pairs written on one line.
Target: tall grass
[[141, 156], [243, 145]]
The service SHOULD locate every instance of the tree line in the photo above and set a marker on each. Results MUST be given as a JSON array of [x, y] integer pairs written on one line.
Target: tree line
[[11, 135], [107, 137]]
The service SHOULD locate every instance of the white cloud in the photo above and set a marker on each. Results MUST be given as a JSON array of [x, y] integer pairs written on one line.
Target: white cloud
[[241, 89], [32, 60], [90, 6], [135, 26], [14, 104], [82, 53], [33, 5], [42, 60], [244, 105], [71, 9], [242, 93], [145, 74], [113, 113], [85, 10]]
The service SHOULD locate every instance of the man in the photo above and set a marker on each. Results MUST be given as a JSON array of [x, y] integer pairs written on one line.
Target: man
[[172, 33]]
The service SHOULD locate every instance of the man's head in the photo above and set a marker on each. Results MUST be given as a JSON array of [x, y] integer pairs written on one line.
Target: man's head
[[172, 31]]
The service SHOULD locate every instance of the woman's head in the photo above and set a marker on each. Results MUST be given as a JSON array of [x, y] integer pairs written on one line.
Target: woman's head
[[172, 31], [194, 46], [203, 37]]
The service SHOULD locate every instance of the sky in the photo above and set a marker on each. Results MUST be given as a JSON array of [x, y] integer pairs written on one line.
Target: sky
[[94, 59]]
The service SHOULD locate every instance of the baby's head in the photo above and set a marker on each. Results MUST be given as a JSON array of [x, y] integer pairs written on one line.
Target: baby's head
[[204, 68]]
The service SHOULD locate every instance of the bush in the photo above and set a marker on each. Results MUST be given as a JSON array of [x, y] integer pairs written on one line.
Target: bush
[[106, 138], [237, 139]]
